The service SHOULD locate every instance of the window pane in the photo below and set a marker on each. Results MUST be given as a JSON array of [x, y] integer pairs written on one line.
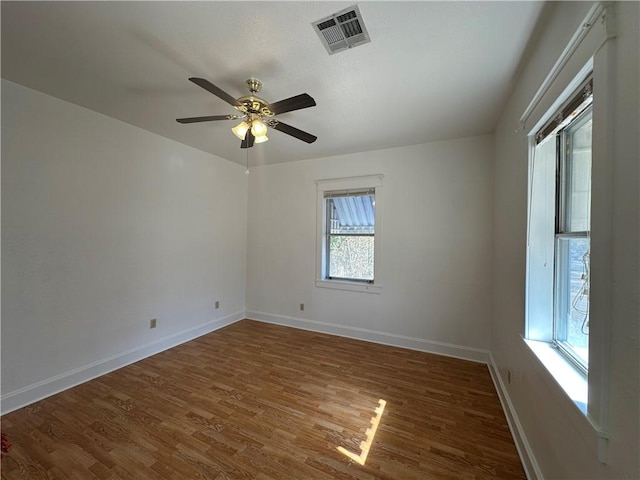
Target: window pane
[[352, 214], [578, 194], [572, 296], [351, 257]]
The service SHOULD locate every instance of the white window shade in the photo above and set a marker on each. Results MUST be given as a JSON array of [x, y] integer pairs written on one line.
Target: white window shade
[[540, 243]]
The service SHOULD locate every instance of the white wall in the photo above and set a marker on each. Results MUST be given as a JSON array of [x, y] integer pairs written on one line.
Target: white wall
[[104, 227], [436, 246], [560, 439]]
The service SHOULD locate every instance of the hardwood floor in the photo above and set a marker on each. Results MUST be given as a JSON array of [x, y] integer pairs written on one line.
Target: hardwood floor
[[264, 402]]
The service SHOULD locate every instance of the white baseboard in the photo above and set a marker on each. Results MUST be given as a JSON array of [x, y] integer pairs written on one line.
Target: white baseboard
[[529, 463], [32, 393], [412, 343]]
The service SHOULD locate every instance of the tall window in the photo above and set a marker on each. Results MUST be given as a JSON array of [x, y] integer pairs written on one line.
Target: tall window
[[571, 312], [559, 230], [349, 233]]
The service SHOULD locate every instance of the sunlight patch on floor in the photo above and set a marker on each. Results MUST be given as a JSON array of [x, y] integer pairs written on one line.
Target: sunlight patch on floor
[[371, 433]]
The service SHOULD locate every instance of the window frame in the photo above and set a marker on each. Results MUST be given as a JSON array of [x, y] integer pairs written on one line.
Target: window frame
[[590, 49], [349, 184]]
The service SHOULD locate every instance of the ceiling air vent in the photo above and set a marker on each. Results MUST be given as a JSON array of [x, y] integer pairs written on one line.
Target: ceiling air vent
[[342, 30]]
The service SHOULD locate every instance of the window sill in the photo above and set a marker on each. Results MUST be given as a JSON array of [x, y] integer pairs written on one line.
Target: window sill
[[351, 286], [572, 381], [575, 386]]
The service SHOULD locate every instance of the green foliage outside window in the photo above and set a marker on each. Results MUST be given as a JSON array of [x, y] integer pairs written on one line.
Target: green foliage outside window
[[351, 257]]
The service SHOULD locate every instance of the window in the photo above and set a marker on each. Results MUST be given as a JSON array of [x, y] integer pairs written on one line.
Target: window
[[349, 232], [572, 250], [559, 230], [350, 235]]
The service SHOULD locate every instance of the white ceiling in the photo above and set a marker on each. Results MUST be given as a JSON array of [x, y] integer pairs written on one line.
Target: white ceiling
[[433, 70]]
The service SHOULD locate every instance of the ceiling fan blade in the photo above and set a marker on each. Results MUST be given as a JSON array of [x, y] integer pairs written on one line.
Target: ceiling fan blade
[[210, 87], [294, 132], [248, 141], [206, 119], [304, 100]]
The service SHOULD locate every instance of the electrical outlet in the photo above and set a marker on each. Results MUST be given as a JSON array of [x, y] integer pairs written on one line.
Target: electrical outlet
[[217, 304], [302, 307], [152, 323]]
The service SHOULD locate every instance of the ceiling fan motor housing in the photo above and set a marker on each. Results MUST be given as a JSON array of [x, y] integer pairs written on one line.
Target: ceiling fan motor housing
[[253, 105]]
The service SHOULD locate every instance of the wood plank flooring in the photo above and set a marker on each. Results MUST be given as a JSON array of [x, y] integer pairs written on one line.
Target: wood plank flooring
[[264, 402]]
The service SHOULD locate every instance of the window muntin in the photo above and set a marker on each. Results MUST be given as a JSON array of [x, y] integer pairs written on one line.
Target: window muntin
[[350, 235]]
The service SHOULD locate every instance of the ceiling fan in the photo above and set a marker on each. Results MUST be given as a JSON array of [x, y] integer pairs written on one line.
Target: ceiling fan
[[256, 114]]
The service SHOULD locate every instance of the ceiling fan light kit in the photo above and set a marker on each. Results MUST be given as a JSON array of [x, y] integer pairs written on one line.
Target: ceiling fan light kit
[[240, 130], [258, 128], [261, 139], [257, 113]]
